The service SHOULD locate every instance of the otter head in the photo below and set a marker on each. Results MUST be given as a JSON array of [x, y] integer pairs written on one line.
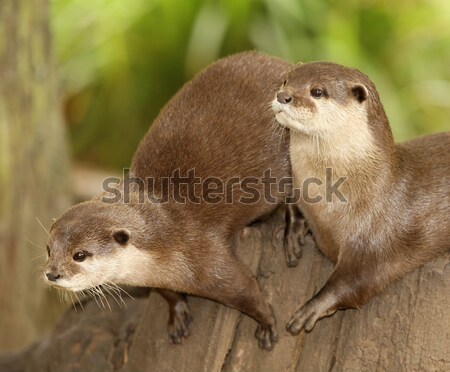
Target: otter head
[[336, 109], [92, 243], [323, 99]]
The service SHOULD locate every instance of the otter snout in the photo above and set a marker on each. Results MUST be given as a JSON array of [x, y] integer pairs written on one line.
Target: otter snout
[[283, 97], [52, 277]]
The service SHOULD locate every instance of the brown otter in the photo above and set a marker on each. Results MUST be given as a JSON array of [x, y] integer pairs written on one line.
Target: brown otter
[[196, 179], [396, 212]]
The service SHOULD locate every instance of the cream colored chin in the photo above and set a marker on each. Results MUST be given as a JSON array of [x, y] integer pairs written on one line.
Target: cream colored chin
[[73, 284], [74, 288], [284, 117]]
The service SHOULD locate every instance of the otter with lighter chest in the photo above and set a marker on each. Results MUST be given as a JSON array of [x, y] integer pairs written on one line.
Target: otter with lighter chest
[[219, 127], [396, 208]]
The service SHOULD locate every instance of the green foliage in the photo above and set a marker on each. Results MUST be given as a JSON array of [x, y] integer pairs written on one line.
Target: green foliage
[[120, 61]]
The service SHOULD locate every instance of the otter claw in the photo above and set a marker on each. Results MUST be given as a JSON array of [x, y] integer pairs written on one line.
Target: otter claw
[[178, 328], [295, 238], [293, 249], [267, 336], [305, 317]]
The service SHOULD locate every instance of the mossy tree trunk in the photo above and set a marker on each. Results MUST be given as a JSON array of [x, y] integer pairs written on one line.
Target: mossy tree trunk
[[33, 168]]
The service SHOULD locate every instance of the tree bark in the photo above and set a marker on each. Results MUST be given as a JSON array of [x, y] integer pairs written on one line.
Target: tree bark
[[33, 168]]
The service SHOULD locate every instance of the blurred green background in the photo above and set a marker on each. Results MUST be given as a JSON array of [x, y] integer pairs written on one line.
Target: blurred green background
[[121, 60]]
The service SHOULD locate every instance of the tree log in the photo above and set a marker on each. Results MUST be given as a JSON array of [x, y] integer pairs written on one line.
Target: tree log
[[33, 169]]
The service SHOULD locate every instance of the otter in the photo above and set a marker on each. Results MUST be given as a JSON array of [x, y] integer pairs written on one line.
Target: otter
[[393, 213], [196, 179]]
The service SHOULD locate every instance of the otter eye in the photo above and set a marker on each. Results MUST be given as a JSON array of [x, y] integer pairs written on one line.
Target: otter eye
[[80, 256], [317, 92], [285, 82], [48, 251]]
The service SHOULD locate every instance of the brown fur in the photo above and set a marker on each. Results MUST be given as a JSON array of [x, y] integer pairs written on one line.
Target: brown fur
[[221, 125], [396, 217]]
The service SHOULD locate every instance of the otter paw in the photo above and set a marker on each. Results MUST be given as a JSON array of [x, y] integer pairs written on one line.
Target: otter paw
[[293, 245], [267, 336], [305, 317], [178, 328]]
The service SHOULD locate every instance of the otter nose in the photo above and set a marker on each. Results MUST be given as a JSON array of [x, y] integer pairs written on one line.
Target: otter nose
[[283, 97], [52, 277]]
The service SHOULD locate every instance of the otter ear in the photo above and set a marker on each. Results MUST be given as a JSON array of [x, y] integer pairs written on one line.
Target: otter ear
[[121, 236], [360, 93]]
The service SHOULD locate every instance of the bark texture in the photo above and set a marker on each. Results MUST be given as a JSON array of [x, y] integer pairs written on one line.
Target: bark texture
[[407, 328], [33, 168]]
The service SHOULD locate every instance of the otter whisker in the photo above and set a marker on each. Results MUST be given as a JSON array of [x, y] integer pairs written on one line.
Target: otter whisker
[[41, 269], [35, 258], [73, 303], [111, 292], [78, 299], [281, 133], [91, 292], [33, 243], [119, 291], [61, 295], [124, 291], [98, 292], [276, 129], [66, 296], [100, 300], [115, 291], [40, 223], [102, 297], [105, 298]]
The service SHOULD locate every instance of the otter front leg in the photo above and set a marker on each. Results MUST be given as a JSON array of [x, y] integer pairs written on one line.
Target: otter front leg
[[234, 285], [294, 234], [179, 315], [323, 304], [351, 285]]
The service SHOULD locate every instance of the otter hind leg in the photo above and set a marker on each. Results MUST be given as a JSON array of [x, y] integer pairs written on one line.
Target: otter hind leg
[[232, 283], [179, 315]]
